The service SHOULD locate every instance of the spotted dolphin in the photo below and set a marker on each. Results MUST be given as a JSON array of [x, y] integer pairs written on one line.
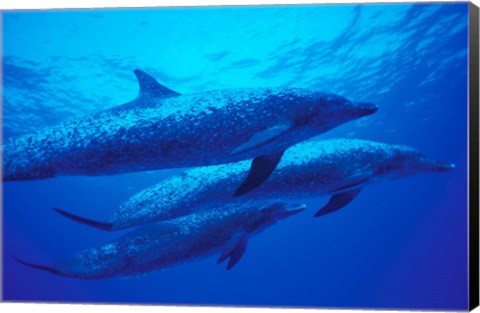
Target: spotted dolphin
[[339, 168], [164, 244], [163, 129]]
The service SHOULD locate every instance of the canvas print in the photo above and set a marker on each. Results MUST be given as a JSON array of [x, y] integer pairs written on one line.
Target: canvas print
[[295, 156]]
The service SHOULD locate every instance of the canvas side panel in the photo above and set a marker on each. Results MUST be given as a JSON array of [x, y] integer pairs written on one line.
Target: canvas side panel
[[474, 158]]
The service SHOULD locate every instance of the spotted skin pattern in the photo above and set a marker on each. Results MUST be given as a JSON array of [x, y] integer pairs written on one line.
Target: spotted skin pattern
[[308, 169], [164, 244], [177, 131]]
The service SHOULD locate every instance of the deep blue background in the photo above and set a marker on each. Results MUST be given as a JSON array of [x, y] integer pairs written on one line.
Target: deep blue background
[[400, 244]]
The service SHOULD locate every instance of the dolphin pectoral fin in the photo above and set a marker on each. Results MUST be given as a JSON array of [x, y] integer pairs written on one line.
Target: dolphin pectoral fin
[[263, 137], [231, 245], [237, 254], [149, 87], [83, 220], [234, 249], [338, 201], [37, 266], [261, 168]]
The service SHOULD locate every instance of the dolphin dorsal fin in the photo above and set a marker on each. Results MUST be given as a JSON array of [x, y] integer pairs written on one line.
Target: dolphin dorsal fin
[[149, 87]]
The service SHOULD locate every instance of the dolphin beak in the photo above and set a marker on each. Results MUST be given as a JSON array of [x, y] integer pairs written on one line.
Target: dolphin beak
[[431, 165], [365, 108], [291, 209]]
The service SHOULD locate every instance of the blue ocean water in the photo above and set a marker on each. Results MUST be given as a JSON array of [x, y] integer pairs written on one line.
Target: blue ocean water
[[399, 244]]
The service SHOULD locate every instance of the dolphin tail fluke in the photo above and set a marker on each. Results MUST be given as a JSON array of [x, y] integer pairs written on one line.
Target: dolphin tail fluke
[[37, 266], [262, 167], [85, 221], [338, 201]]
